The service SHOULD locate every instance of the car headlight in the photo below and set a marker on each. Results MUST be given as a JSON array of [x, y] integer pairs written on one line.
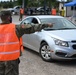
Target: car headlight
[[60, 42]]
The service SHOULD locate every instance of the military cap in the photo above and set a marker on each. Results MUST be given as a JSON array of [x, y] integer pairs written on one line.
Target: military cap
[[5, 13]]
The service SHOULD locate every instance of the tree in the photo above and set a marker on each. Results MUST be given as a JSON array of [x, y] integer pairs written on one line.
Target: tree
[[20, 2], [69, 0], [49, 3], [33, 3], [36, 3], [10, 0], [52, 3]]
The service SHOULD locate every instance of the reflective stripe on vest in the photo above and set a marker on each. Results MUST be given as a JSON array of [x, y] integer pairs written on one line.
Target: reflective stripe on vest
[[9, 43], [9, 52]]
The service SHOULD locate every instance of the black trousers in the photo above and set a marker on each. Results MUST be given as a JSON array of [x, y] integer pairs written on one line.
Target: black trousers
[[9, 67], [21, 16]]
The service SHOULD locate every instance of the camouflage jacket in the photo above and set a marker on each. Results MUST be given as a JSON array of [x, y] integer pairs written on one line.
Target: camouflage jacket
[[29, 28]]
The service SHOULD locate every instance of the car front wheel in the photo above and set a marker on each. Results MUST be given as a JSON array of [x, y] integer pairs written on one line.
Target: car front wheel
[[45, 52]]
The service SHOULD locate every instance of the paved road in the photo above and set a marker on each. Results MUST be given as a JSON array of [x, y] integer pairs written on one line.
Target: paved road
[[32, 64], [15, 19]]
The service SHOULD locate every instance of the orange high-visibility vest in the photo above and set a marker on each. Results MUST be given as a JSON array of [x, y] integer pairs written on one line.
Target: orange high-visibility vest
[[21, 11], [9, 43], [53, 11]]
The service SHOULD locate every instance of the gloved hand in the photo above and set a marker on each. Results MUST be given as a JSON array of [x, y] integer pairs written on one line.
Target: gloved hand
[[50, 24]]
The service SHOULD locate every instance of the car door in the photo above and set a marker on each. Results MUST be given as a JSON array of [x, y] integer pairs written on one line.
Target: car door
[[34, 37], [25, 36]]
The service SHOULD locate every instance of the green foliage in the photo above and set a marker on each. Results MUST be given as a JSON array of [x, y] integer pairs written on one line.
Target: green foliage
[[31, 3], [41, 3], [6, 4], [20, 2], [69, 0]]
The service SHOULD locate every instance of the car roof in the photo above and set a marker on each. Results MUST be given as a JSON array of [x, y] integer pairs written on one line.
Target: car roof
[[46, 16]]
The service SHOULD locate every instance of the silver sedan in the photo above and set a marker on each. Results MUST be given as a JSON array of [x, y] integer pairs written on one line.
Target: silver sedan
[[58, 42]]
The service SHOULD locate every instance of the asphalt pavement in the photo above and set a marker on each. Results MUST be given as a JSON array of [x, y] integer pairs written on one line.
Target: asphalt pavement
[[15, 19]]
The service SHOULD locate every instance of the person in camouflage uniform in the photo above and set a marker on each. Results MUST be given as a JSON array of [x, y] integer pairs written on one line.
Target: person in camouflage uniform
[[12, 67]]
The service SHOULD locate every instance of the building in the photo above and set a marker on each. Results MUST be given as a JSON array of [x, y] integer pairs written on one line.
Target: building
[[70, 8]]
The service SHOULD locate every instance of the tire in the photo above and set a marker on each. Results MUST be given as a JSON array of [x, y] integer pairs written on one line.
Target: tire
[[45, 53]]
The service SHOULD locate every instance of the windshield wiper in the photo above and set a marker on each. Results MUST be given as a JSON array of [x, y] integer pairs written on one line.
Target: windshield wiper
[[65, 28], [49, 29]]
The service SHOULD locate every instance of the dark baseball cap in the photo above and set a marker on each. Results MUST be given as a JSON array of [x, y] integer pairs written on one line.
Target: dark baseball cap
[[5, 13]]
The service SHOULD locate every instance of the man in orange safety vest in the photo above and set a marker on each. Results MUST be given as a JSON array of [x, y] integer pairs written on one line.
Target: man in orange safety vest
[[11, 43], [53, 11], [21, 14]]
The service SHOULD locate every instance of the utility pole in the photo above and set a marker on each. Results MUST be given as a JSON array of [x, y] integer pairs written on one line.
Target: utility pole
[[13, 0], [10, 0], [44, 6], [23, 3]]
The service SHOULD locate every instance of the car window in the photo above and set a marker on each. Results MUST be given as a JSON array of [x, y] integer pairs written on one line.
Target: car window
[[18, 8], [26, 21], [58, 23], [34, 20]]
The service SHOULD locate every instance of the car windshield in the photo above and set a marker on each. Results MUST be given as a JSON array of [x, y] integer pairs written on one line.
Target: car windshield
[[59, 23]]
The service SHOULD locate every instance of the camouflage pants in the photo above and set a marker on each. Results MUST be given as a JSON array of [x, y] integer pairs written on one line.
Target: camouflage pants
[[9, 67]]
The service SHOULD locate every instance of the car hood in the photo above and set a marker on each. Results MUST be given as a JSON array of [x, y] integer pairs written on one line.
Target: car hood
[[63, 34], [10, 9]]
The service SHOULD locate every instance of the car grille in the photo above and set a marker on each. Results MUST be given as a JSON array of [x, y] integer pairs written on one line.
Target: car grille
[[74, 45], [73, 41], [73, 56]]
